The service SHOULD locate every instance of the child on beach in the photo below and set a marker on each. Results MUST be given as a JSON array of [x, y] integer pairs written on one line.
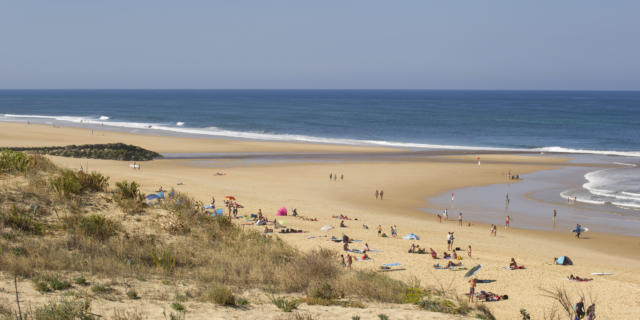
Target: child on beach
[[506, 222], [379, 230], [469, 251], [343, 264]]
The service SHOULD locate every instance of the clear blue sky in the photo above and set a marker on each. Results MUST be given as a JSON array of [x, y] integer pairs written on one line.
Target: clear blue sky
[[422, 44]]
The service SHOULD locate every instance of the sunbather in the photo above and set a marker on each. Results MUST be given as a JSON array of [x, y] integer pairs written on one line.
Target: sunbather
[[452, 264], [576, 278], [434, 255], [445, 255]]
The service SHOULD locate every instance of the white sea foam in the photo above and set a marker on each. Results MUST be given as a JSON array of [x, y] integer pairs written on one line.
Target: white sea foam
[[214, 131], [615, 186], [104, 118]]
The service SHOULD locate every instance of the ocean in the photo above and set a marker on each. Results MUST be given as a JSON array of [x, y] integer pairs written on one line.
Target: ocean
[[593, 122]]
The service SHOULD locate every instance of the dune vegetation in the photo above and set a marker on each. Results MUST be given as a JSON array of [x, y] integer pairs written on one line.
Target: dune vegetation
[[70, 232]]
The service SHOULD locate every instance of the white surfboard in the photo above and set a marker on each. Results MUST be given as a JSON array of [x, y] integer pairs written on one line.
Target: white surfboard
[[601, 274]]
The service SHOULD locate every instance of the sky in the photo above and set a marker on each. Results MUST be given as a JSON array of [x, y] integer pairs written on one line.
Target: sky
[[345, 44]]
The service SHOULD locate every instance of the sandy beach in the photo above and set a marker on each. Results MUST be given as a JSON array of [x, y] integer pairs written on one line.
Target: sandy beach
[[407, 183]]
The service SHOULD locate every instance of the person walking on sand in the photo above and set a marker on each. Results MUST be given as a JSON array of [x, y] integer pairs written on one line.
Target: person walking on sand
[[591, 312], [449, 235], [472, 289], [349, 261], [342, 177], [579, 309], [379, 230], [377, 194], [507, 220], [554, 216], [469, 251], [330, 176], [460, 219], [381, 194]]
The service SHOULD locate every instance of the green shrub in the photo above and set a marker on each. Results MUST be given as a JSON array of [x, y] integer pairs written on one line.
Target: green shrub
[[19, 219], [94, 181], [63, 310], [111, 151], [66, 183], [525, 314], [383, 316], [101, 288], [94, 226], [13, 162], [81, 281], [50, 282], [285, 304], [178, 307], [355, 318], [128, 190]]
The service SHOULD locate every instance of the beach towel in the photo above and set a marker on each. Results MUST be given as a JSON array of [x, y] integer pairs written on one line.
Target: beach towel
[[360, 259], [411, 236]]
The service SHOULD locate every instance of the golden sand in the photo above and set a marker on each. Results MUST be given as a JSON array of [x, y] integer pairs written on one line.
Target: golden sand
[[407, 183]]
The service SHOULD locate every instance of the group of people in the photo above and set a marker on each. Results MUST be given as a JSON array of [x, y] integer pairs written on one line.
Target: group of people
[[334, 176], [379, 194], [580, 313]]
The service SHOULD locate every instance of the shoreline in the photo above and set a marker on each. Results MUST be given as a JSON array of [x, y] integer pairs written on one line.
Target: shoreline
[[407, 182]]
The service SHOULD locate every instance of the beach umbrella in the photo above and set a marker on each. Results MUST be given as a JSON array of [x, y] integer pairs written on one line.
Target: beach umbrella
[[326, 228], [230, 197], [472, 271], [411, 237]]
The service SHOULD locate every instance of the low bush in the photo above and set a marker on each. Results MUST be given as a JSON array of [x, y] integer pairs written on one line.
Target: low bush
[[285, 304], [178, 307], [220, 295], [93, 226], [50, 282], [20, 220], [62, 310], [68, 183], [101, 288], [109, 151]]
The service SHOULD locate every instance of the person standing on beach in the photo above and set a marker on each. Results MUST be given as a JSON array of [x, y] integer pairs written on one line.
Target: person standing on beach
[[449, 240], [344, 264], [578, 230], [342, 177], [469, 251], [379, 230], [579, 309], [460, 219], [507, 220], [349, 261], [377, 194], [381, 194], [330, 176], [554, 216], [472, 289]]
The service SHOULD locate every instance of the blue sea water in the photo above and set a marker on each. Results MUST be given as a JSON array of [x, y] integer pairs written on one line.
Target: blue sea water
[[539, 120], [598, 122]]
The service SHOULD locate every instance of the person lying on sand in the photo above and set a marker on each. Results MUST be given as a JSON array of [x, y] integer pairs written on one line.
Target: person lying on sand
[[365, 257], [345, 246], [445, 255], [513, 265], [490, 296], [452, 264], [434, 255], [576, 278]]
